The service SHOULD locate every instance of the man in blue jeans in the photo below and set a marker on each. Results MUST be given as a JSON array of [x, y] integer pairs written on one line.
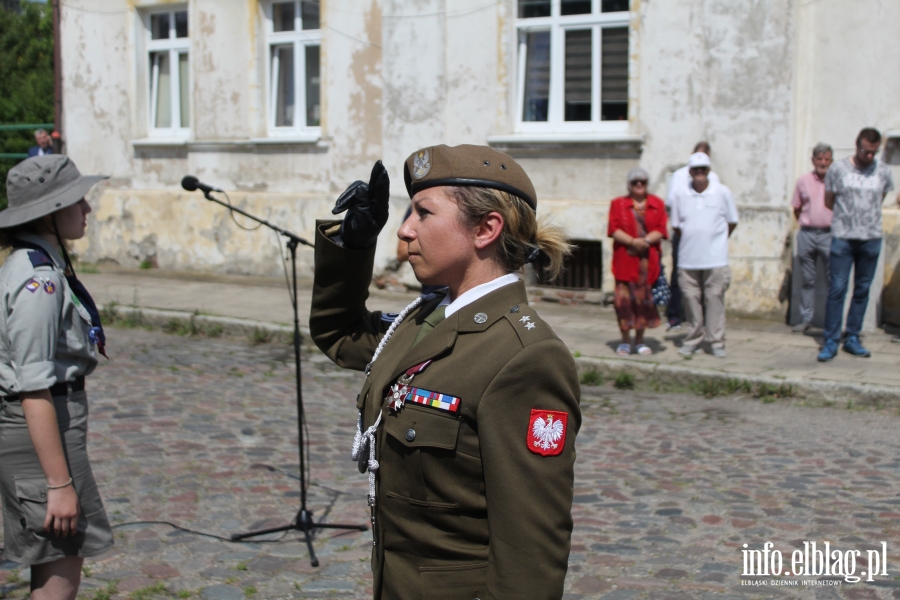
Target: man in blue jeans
[[855, 188]]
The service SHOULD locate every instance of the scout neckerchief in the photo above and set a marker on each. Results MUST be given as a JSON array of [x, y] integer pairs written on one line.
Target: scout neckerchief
[[96, 333]]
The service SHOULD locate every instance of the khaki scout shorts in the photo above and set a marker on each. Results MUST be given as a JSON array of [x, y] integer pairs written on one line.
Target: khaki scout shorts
[[23, 487]]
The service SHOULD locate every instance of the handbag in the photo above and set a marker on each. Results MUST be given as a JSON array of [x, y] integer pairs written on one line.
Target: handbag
[[660, 290]]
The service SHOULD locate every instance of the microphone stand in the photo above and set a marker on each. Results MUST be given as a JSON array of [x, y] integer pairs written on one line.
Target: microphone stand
[[303, 521]]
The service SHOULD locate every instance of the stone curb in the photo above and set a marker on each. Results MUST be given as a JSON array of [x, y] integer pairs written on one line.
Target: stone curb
[[820, 392], [228, 326], [815, 391]]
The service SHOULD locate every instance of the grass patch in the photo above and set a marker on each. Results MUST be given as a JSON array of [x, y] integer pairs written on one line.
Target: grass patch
[[241, 566], [249, 591], [89, 268], [624, 381], [181, 327], [86, 571], [709, 388], [591, 377], [769, 393], [185, 594], [735, 386], [106, 593], [146, 264], [148, 592], [576, 354], [260, 335]]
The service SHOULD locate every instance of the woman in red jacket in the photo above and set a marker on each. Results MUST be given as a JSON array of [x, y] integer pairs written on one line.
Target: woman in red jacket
[[637, 223]]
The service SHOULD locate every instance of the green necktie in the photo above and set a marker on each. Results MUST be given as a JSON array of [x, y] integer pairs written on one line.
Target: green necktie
[[430, 322]]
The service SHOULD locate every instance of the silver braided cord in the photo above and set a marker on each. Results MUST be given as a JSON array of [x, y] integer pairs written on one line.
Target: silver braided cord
[[367, 438], [390, 331]]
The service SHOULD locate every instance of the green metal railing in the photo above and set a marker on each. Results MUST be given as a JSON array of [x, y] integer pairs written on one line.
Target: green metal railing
[[22, 127]]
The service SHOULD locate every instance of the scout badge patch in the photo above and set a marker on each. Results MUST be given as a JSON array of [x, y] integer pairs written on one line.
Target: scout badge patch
[[32, 286], [49, 287], [547, 432]]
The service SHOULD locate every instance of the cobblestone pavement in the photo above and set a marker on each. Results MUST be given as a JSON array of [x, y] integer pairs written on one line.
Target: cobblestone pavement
[[201, 432]]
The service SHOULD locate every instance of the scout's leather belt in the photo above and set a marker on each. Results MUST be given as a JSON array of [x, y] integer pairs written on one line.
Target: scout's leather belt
[[58, 389], [808, 228]]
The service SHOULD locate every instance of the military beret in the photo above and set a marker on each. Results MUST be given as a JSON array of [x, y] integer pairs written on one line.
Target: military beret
[[467, 165]]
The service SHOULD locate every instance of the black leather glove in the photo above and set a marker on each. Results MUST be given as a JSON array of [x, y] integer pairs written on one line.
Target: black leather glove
[[367, 209]]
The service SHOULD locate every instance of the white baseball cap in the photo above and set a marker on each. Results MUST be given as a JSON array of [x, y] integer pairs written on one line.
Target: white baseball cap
[[698, 159]]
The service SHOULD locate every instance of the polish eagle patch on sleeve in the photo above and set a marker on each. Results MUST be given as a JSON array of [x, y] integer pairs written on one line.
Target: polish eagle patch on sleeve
[[547, 432]]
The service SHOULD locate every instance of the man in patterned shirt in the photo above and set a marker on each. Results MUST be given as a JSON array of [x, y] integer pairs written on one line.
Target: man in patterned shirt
[[855, 188]]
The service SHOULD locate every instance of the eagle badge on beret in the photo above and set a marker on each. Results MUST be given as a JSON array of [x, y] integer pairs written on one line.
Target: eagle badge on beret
[[421, 164]]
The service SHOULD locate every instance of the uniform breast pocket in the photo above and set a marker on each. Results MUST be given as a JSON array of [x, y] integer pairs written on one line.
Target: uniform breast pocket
[[78, 326], [420, 461]]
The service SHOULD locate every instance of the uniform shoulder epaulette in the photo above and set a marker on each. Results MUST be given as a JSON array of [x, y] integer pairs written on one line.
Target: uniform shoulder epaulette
[[39, 259], [528, 325]]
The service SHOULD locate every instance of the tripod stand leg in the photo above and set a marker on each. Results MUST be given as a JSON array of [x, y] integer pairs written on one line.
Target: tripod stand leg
[[305, 524]]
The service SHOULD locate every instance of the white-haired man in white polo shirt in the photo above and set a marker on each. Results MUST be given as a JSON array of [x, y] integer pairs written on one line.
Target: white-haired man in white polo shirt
[[704, 215]]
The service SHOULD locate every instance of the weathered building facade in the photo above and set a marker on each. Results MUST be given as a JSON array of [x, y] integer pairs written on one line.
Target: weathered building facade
[[284, 103]]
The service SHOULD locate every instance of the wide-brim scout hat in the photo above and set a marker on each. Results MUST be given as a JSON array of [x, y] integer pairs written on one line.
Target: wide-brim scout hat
[[42, 185], [467, 165]]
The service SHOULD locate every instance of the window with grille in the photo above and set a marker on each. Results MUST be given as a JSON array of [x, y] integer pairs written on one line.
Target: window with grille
[[168, 54], [583, 270], [293, 42], [573, 65]]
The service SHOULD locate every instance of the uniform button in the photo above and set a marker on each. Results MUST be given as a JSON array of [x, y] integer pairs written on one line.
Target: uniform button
[[410, 435], [514, 309]]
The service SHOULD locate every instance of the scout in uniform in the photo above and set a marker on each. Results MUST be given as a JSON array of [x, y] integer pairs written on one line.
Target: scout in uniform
[[50, 334], [469, 410]]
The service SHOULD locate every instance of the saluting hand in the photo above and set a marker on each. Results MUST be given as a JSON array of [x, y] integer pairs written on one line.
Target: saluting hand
[[367, 209], [62, 512]]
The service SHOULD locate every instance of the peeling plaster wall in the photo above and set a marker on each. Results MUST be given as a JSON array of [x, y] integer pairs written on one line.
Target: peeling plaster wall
[[721, 70], [97, 46], [762, 80]]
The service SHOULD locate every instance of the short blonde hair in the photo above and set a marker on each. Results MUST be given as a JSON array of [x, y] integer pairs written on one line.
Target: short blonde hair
[[522, 231]]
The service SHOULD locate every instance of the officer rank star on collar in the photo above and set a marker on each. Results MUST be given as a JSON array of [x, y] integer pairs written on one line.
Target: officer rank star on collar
[[529, 326]]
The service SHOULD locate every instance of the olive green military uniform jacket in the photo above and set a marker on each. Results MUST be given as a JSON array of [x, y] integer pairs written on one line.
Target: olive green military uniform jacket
[[466, 506]]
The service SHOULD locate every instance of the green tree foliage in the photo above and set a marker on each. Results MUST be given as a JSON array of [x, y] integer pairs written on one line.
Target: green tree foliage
[[26, 76]]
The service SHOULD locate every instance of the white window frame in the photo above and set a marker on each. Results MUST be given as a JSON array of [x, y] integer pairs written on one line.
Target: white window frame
[[174, 46], [557, 25], [300, 39]]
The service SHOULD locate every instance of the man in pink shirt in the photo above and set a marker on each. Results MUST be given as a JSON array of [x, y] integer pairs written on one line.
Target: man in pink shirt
[[814, 237]]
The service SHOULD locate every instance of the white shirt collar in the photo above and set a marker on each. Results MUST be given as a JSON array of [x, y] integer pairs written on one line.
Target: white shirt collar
[[476, 292], [708, 189]]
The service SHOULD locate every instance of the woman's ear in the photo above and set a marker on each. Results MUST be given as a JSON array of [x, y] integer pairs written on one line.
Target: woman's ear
[[488, 230]]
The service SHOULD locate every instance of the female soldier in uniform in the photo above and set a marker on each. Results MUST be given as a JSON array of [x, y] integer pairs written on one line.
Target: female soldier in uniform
[[52, 513], [469, 410]]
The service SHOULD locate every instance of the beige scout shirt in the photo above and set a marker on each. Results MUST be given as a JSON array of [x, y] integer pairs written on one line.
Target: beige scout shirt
[[44, 329], [468, 502]]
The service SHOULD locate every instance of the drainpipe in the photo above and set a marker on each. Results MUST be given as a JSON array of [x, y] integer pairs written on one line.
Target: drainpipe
[[58, 145]]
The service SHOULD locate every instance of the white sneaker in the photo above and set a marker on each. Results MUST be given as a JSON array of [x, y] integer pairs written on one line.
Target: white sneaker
[[687, 350], [719, 352]]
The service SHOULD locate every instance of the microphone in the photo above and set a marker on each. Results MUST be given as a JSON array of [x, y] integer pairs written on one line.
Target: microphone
[[191, 184]]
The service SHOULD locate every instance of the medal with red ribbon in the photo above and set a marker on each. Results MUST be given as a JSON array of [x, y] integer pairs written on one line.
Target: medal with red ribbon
[[399, 391]]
